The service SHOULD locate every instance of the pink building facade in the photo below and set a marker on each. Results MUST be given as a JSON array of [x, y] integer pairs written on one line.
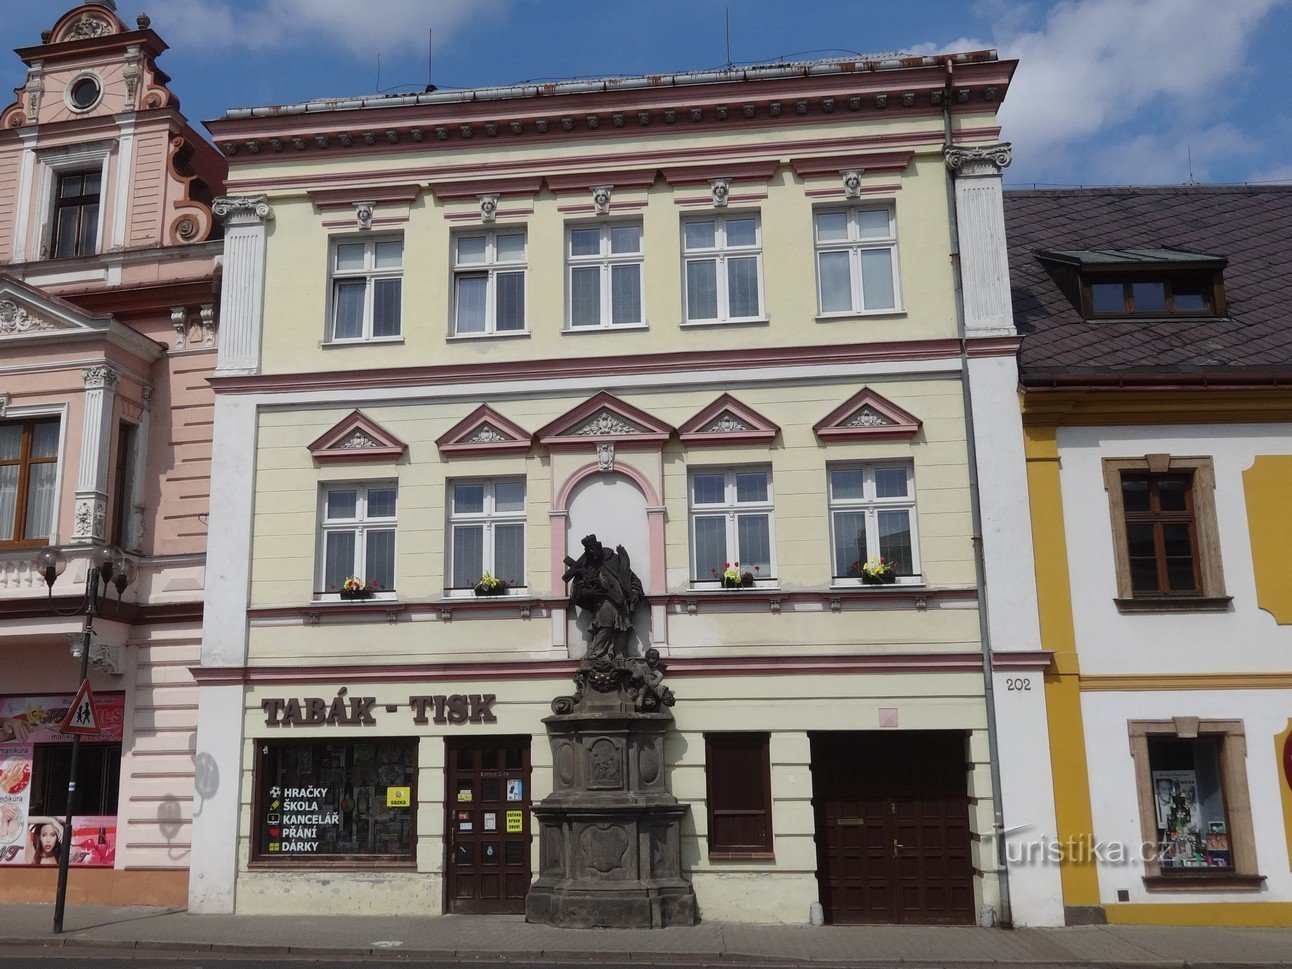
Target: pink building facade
[[109, 281]]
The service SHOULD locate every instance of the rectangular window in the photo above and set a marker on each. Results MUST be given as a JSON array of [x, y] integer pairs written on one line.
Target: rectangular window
[[28, 474], [331, 800], [872, 515], [604, 275], [1189, 802], [1161, 534], [723, 269], [486, 532], [123, 497], [739, 794], [367, 289], [358, 537], [856, 260], [731, 521], [489, 282], [1171, 295], [76, 215]]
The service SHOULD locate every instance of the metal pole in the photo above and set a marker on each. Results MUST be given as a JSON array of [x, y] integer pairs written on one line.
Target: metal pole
[[65, 854]]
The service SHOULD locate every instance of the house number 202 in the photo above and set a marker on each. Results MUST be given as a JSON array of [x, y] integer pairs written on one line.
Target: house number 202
[[1018, 684]]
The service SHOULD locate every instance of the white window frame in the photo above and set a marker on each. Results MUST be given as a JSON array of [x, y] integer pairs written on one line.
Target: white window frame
[[489, 517], [720, 253], [360, 525], [56, 162], [731, 508], [491, 267], [605, 260], [369, 274], [854, 245], [871, 505]]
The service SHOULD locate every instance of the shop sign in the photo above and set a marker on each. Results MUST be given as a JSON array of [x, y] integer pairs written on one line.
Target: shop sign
[[399, 797], [356, 711], [36, 719]]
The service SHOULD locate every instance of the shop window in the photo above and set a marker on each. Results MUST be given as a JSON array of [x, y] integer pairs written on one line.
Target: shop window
[[739, 794], [76, 214], [35, 761], [489, 283], [1194, 808], [358, 539], [335, 800], [487, 535], [28, 474], [604, 266], [1165, 542], [367, 289], [731, 522], [723, 269], [872, 516], [856, 260]]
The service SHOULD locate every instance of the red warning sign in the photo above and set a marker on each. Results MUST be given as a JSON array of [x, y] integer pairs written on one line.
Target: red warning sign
[[82, 717]]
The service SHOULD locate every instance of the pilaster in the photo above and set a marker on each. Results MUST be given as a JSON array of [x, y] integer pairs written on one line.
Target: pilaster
[[90, 522], [980, 215], [242, 294]]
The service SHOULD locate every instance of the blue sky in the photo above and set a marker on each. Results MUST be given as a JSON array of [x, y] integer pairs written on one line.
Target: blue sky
[[1107, 92]]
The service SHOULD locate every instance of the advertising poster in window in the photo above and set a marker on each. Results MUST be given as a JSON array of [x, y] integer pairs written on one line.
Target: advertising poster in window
[[15, 795], [35, 719]]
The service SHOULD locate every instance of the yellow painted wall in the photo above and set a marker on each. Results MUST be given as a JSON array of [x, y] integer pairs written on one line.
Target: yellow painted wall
[[1266, 486], [297, 286]]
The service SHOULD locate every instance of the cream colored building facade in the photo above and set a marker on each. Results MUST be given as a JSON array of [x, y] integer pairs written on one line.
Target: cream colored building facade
[[711, 318]]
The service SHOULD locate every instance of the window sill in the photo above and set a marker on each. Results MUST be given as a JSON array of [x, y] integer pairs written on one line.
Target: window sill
[[1204, 881], [339, 864], [607, 328], [381, 341], [1174, 604], [702, 324], [760, 585], [720, 855], [329, 598], [506, 335], [897, 313], [459, 595], [839, 585]]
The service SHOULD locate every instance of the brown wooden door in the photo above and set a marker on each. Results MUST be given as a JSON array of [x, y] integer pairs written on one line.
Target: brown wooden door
[[892, 827], [487, 824]]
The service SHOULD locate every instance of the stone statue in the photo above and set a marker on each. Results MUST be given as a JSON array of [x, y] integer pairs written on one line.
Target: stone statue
[[603, 583]]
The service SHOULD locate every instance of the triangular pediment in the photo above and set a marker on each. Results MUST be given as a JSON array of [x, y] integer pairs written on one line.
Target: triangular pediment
[[867, 415], [727, 421], [28, 311], [605, 417], [357, 438], [484, 431]]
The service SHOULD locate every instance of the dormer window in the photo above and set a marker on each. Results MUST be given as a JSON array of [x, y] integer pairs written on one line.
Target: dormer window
[[1139, 284]]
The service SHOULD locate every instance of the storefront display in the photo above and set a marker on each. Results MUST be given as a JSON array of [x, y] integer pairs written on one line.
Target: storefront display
[[34, 762], [1192, 828], [345, 799]]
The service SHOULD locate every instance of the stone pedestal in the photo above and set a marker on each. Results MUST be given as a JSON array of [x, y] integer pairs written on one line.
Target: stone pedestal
[[610, 832]]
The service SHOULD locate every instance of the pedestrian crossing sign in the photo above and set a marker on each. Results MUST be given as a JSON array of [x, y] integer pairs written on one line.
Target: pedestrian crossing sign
[[82, 717]]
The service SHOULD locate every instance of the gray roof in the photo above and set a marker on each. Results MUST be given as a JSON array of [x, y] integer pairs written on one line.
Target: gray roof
[[1250, 226]]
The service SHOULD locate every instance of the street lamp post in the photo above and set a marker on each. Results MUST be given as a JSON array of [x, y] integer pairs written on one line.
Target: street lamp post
[[108, 566]]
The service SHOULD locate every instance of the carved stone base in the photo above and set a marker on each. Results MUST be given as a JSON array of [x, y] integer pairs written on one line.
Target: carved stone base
[[610, 832]]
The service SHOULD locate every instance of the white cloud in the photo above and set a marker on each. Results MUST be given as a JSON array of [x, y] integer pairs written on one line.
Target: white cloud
[[366, 28], [1121, 90]]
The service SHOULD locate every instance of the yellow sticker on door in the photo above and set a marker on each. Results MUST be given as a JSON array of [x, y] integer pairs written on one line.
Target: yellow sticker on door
[[515, 822], [399, 797]]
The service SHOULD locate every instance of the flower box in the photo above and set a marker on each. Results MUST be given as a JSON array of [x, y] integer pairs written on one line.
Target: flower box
[[887, 578], [746, 581], [352, 594], [500, 589]]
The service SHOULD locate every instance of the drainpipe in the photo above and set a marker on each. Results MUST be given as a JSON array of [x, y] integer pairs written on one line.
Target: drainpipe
[[980, 571]]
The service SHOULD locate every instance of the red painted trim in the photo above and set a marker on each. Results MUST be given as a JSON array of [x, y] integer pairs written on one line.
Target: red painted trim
[[450, 442], [1037, 659], [824, 193], [818, 165], [905, 424], [473, 215], [757, 171], [542, 164], [764, 431], [338, 198], [555, 436], [623, 178], [325, 450], [562, 501], [608, 366], [993, 346], [590, 209], [968, 662], [458, 191], [708, 199]]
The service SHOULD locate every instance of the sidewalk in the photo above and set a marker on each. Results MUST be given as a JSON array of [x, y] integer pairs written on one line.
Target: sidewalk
[[495, 937]]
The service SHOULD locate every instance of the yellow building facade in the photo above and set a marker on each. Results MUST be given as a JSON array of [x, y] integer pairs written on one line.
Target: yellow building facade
[[713, 320]]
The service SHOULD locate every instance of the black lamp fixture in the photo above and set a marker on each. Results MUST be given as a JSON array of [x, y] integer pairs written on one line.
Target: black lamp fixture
[[108, 566]]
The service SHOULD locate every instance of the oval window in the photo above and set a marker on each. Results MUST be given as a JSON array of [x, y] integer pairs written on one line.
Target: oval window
[[85, 93]]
